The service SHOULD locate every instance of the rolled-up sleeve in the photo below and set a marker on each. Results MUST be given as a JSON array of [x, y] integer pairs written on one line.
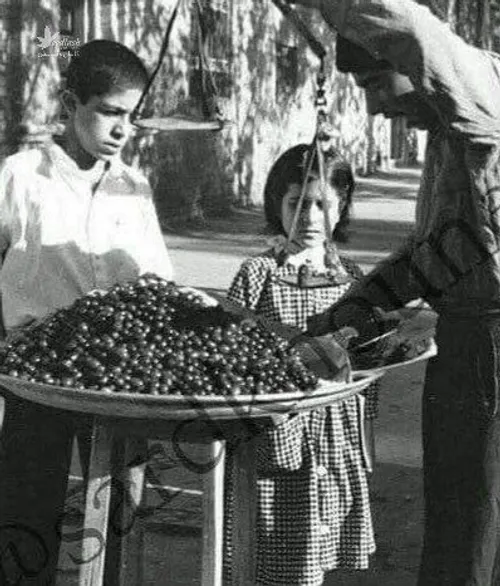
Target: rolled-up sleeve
[[393, 282], [459, 81]]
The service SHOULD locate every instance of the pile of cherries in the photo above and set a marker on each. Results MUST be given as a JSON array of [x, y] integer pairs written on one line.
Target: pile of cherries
[[151, 337]]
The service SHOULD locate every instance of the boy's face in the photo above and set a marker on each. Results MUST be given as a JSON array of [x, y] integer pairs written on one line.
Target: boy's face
[[310, 229], [102, 125]]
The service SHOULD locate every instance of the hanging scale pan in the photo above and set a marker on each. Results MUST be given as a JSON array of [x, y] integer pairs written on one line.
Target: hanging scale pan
[[180, 121], [170, 123]]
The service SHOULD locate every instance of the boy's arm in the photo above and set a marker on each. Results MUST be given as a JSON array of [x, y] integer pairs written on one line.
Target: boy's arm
[[459, 81]]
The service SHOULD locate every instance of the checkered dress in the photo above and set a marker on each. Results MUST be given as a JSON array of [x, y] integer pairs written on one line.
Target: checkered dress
[[313, 502]]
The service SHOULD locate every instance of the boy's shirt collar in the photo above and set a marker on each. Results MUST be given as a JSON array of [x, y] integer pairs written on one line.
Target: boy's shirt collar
[[118, 180], [70, 171]]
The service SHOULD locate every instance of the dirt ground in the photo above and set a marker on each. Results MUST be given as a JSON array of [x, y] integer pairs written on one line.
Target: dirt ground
[[208, 256]]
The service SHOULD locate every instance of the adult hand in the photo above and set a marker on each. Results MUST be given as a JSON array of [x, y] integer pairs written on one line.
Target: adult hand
[[320, 324], [324, 355], [367, 320]]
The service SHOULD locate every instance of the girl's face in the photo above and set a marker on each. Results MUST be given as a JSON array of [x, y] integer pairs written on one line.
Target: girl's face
[[310, 229]]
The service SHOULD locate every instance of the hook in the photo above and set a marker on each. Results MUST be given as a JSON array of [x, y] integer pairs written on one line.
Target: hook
[[320, 101]]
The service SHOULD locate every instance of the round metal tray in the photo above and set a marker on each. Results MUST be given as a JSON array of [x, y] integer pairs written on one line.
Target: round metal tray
[[177, 407]]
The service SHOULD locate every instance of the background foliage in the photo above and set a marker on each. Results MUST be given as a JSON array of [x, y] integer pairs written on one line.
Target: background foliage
[[478, 21]]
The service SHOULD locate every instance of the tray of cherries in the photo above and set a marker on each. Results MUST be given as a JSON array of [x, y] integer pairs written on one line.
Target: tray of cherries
[[151, 349]]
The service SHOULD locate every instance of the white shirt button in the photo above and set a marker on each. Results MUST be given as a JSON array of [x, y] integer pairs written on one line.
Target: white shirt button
[[321, 471], [324, 530]]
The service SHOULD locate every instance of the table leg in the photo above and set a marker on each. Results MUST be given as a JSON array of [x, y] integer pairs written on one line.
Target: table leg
[[97, 506], [126, 529], [213, 517], [244, 523]]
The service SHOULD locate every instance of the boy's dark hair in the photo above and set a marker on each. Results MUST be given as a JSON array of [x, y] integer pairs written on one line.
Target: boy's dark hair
[[102, 66], [289, 169]]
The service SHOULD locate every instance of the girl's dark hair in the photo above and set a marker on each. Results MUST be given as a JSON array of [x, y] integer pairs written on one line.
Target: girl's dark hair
[[102, 66], [290, 168]]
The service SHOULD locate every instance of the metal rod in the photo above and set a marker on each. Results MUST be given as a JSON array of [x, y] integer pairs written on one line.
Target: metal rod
[[300, 203], [322, 183], [161, 55]]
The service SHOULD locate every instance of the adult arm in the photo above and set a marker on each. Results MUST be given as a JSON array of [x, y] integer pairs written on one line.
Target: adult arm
[[393, 283]]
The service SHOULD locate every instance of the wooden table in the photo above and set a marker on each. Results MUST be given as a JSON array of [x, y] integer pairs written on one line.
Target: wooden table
[[122, 424], [116, 482]]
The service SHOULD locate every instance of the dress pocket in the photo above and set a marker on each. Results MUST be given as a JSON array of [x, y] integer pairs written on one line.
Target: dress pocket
[[280, 449]]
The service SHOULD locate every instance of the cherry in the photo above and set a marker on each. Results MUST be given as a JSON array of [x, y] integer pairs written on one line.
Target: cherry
[[148, 336]]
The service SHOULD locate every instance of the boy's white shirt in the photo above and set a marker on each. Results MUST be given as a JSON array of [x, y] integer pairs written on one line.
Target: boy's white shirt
[[60, 241]]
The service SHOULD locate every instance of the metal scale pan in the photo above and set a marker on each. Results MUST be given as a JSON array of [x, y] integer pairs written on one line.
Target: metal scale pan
[[214, 121]]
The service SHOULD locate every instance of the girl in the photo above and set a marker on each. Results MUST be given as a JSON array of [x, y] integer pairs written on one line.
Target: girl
[[313, 502]]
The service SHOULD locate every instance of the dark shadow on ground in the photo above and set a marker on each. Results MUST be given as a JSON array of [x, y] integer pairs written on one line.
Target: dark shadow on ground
[[236, 221], [398, 174], [386, 190], [377, 235], [399, 184]]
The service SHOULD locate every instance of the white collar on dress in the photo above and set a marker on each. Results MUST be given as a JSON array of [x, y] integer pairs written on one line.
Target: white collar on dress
[[297, 256]]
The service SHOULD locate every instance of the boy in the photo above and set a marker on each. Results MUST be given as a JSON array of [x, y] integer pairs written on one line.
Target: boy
[[73, 218]]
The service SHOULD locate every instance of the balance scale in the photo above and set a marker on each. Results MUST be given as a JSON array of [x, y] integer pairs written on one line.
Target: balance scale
[[306, 278]]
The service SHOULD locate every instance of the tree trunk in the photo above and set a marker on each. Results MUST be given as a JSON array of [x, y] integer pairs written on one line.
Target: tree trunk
[[452, 14], [483, 30]]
